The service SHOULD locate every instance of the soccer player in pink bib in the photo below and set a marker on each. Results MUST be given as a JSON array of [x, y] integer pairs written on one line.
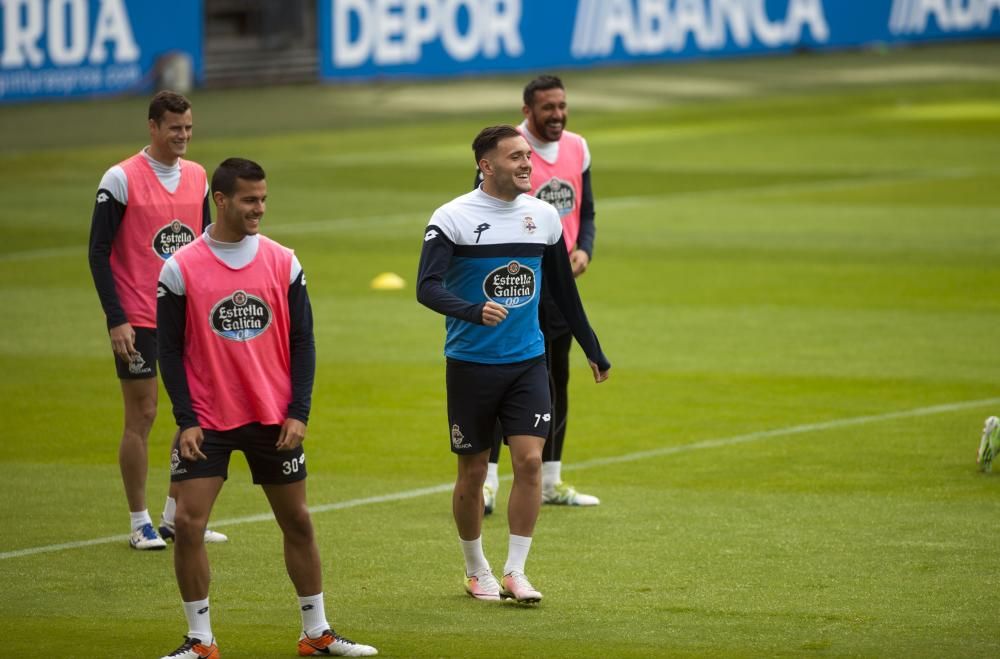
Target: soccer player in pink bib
[[147, 207], [238, 360]]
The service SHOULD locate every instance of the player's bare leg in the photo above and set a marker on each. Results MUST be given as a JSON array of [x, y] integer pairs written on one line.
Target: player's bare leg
[[526, 492], [195, 498], [467, 497], [288, 501], [467, 507], [139, 397], [522, 513]]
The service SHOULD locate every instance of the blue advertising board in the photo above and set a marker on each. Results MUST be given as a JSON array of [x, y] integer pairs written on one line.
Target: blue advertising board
[[67, 48], [365, 39]]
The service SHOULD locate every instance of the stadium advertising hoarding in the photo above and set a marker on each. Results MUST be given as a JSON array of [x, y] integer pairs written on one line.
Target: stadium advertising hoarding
[[67, 48], [363, 39]]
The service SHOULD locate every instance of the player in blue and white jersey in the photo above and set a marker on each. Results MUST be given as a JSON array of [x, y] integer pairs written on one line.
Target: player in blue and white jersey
[[483, 260]]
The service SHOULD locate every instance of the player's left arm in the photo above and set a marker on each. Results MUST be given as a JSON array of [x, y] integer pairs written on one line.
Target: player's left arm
[[303, 363], [583, 254], [559, 280]]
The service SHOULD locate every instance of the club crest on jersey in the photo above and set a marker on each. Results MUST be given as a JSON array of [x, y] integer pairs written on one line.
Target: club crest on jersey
[[559, 193], [240, 317], [171, 238], [529, 224], [512, 285]]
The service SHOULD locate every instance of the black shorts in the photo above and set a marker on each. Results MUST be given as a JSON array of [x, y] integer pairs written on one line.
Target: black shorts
[[479, 395], [143, 365], [268, 466]]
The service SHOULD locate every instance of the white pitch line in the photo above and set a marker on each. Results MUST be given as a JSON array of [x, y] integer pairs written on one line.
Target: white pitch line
[[784, 432], [587, 464]]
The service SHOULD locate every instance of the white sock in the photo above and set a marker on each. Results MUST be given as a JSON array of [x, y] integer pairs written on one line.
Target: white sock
[[314, 621], [551, 474], [517, 553], [169, 510], [140, 519], [475, 559], [199, 621], [492, 477]]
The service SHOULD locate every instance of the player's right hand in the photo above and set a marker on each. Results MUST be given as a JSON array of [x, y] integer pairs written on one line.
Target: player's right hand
[[123, 341], [599, 375], [493, 313], [189, 444]]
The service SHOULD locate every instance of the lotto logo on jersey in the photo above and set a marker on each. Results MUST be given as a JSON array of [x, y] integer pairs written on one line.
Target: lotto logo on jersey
[[240, 317], [512, 285], [171, 238], [559, 193]]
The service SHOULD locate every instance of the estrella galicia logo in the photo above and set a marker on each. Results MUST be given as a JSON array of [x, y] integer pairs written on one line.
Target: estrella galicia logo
[[559, 193], [479, 231], [171, 238], [512, 285], [240, 317]]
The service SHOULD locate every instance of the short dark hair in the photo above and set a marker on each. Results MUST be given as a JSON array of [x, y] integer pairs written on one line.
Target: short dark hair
[[230, 169], [167, 101], [541, 84], [489, 137]]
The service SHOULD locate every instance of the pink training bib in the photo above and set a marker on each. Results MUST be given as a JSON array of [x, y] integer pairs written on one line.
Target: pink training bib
[[560, 183], [156, 224], [237, 352]]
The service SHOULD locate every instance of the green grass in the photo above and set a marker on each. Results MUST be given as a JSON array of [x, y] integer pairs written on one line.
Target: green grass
[[797, 261]]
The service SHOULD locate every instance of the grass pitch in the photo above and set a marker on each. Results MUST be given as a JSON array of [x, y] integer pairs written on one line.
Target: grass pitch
[[796, 280]]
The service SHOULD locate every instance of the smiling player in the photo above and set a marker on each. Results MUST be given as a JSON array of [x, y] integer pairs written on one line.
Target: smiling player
[[483, 261], [147, 208]]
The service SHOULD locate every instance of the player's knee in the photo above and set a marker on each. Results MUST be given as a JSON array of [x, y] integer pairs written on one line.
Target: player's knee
[[148, 413], [297, 526], [528, 466], [140, 417], [472, 474], [188, 529]]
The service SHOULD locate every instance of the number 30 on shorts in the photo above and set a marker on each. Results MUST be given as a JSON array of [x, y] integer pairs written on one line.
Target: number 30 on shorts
[[289, 467]]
